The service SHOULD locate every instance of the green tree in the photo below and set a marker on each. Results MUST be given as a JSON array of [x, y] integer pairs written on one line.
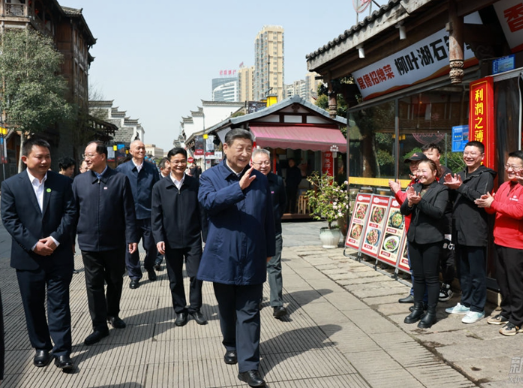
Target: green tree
[[32, 96]]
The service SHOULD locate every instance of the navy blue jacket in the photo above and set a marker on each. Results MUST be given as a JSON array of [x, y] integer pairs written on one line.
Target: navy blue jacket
[[241, 227], [27, 224], [176, 217], [141, 185], [106, 218], [279, 199]]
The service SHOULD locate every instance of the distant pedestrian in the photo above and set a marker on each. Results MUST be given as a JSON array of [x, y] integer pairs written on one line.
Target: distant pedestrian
[[261, 160], [178, 223], [83, 167], [165, 171], [106, 230], [142, 177], [292, 181], [241, 240], [39, 212], [67, 166]]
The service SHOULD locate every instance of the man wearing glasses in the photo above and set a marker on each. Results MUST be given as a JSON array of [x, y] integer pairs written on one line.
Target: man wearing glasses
[[470, 229], [106, 230], [262, 162], [177, 225], [508, 242]]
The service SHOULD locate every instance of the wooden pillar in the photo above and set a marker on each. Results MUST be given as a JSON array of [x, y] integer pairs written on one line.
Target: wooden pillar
[[456, 57], [333, 103]]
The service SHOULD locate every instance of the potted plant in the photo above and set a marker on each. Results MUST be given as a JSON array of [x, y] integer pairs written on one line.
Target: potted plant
[[329, 201]]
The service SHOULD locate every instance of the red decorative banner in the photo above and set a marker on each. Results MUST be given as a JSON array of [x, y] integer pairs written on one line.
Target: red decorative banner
[[481, 118], [327, 163]]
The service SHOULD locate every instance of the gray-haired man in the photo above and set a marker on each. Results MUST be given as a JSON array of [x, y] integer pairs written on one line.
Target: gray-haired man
[[261, 161]]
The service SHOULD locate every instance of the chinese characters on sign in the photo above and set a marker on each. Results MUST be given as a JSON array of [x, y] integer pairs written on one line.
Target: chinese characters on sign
[[516, 365], [481, 117], [228, 72], [328, 164], [426, 59], [510, 16]]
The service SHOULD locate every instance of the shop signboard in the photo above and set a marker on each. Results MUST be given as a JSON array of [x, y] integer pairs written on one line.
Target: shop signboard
[[460, 137], [481, 117], [422, 61], [503, 64], [209, 147], [190, 159], [198, 146], [510, 16], [390, 247], [403, 262], [327, 163], [358, 220], [373, 235]]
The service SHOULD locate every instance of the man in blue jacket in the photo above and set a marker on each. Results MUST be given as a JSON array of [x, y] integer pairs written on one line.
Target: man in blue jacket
[[240, 241], [106, 230], [142, 176]]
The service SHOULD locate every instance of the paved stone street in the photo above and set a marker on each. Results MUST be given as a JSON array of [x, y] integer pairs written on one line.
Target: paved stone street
[[345, 329]]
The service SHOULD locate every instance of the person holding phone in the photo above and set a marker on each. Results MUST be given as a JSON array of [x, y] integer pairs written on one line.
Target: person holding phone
[[426, 203]]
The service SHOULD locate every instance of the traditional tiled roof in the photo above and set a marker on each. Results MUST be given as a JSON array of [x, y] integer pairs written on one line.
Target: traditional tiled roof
[[72, 11]]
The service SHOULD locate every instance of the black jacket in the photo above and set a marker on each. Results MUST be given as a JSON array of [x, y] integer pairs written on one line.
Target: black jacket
[[470, 223], [428, 216], [176, 217], [279, 199], [106, 215]]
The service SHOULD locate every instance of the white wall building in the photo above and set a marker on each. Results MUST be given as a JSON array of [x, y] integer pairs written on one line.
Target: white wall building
[[128, 129]]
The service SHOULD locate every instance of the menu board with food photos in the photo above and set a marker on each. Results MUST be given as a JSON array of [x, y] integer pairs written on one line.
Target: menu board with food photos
[[393, 234], [358, 220], [373, 235], [403, 262]]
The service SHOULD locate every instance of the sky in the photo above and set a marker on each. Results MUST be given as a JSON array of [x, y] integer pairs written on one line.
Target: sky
[[156, 59]]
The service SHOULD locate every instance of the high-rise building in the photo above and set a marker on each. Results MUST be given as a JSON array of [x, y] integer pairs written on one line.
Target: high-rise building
[[297, 88], [268, 63], [311, 86], [246, 83], [225, 89]]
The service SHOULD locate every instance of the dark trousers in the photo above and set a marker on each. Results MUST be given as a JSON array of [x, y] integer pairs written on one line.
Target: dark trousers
[[424, 259], [2, 340], [57, 325], [292, 193], [274, 275], [174, 259], [100, 267], [509, 274], [446, 261], [240, 322], [472, 273], [143, 227]]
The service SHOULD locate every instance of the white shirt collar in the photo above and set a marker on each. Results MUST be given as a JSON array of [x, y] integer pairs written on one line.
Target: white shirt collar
[[32, 178], [138, 167], [234, 172], [176, 182]]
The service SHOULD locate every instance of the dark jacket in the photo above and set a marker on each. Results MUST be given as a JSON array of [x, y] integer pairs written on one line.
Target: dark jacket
[[279, 199], [428, 216], [141, 185], [106, 218], [241, 227], [176, 217], [293, 177], [27, 224], [448, 210], [470, 223]]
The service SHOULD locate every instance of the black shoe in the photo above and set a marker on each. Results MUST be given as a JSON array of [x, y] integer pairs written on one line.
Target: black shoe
[[158, 266], [425, 307], [152, 275], [181, 319], [64, 362], [416, 314], [428, 319], [279, 312], [407, 299], [252, 378], [135, 283], [95, 337], [116, 322], [230, 357], [199, 318], [41, 358]]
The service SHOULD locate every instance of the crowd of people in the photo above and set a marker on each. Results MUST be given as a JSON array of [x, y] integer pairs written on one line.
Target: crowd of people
[[447, 225], [235, 209]]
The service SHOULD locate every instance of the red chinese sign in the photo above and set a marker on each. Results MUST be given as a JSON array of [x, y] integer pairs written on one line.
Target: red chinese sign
[[481, 117], [327, 163]]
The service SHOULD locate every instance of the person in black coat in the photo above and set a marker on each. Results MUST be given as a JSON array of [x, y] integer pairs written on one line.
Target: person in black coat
[[38, 211], [177, 224], [426, 202], [106, 229], [261, 160], [292, 180]]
